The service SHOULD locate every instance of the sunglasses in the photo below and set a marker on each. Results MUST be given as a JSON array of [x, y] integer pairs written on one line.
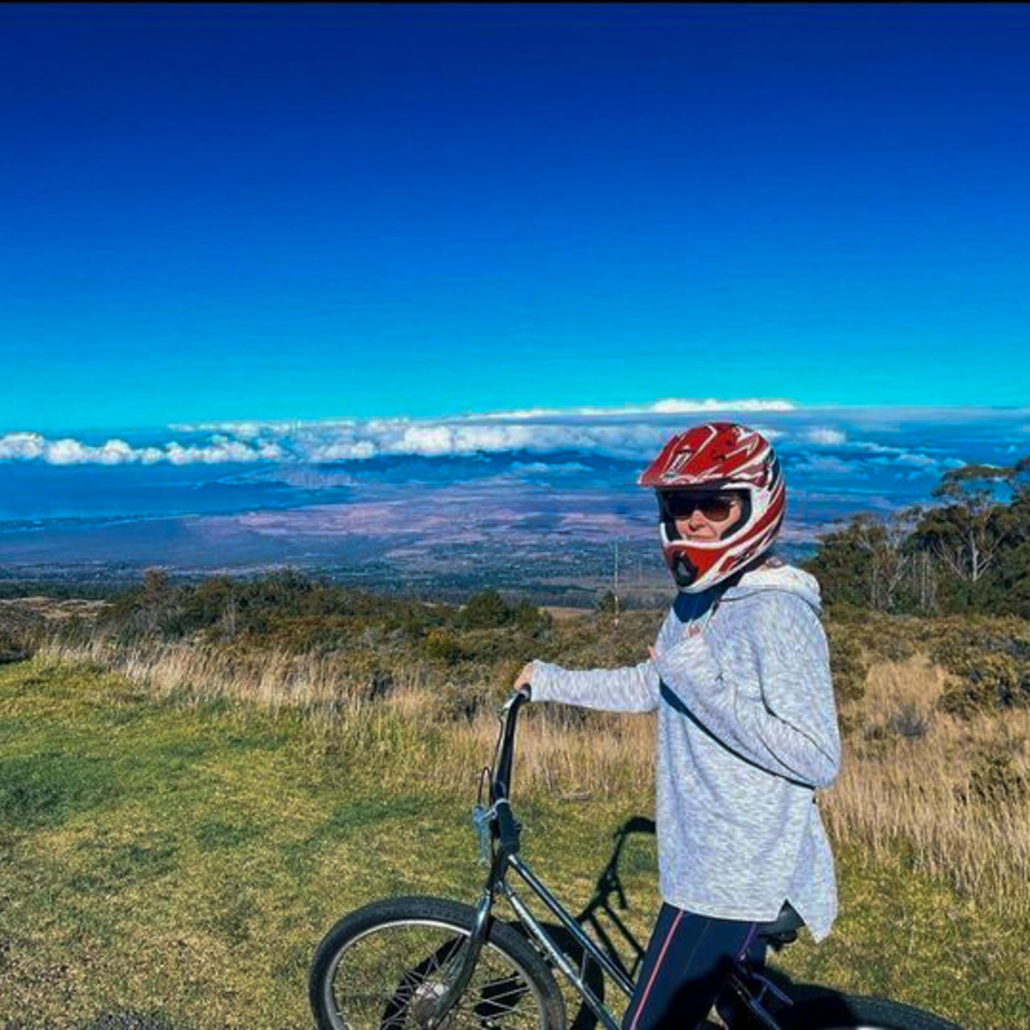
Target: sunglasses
[[680, 504]]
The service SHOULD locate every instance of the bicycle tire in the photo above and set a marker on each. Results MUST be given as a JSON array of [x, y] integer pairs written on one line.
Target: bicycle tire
[[852, 1012], [511, 988]]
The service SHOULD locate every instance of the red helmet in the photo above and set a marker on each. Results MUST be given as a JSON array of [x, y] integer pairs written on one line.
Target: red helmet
[[715, 457]]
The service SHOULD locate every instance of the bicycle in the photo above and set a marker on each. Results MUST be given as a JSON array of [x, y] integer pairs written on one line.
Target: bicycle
[[425, 963]]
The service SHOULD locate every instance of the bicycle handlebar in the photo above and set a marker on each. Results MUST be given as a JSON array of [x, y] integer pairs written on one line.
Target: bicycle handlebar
[[507, 826], [509, 714]]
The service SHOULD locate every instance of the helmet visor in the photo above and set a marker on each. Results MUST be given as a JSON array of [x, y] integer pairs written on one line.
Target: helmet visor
[[681, 504]]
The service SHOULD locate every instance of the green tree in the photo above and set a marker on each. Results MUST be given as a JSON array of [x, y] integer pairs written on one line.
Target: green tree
[[867, 563], [485, 609], [967, 531], [970, 552]]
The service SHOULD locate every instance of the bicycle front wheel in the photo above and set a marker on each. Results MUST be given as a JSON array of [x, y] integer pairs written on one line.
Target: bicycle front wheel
[[383, 966], [849, 1012]]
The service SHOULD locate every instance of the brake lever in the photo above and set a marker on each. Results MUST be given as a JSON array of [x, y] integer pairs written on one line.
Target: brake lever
[[481, 817]]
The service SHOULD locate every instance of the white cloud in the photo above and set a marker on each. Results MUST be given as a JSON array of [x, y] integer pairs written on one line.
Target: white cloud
[[68, 451], [823, 463], [343, 450], [824, 436], [767, 431], [351, 440], [397, 437], [221, 451], [677, 406], [21, 446], [666, 406], [561, 468], [919, 460], [356, 441], [114, 452]]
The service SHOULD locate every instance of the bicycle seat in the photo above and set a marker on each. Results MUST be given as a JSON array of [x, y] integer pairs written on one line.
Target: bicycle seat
[[784, 928]]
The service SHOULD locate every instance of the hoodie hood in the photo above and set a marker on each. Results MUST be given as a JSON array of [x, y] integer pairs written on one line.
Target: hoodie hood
[[777, 577]]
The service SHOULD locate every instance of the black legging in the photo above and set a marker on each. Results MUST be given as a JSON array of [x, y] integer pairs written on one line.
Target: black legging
[[688, 960]]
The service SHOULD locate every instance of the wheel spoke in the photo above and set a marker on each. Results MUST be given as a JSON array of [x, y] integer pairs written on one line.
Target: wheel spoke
[[391, 977]]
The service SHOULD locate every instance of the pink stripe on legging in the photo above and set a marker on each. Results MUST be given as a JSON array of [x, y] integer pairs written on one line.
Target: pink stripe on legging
[[654, 972]]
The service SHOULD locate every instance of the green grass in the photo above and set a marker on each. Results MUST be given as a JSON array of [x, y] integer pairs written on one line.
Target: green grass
[[182, 862]]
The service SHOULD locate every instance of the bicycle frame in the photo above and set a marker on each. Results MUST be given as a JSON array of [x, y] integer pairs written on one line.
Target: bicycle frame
[[554, 953], [499, 840]]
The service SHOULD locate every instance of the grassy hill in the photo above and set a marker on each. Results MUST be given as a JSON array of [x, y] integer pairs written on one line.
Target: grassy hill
[[176, 836]]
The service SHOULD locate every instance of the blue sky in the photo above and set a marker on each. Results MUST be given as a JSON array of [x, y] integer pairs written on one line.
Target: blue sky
[[274, 212]]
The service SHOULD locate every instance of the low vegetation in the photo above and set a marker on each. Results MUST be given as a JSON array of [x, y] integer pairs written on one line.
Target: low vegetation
[[196, 781]]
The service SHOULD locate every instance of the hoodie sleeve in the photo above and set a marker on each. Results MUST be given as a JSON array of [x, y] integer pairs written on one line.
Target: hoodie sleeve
[[630, 689], [769, 698]]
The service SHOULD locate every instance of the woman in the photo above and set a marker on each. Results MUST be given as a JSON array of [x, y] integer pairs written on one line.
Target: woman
[[746, 728]]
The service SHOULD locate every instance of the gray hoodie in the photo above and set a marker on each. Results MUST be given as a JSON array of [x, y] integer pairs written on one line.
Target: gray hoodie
[[746, 732]]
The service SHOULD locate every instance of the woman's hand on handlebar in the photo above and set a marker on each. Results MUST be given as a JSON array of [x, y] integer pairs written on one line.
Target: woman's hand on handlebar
[[524, 680]]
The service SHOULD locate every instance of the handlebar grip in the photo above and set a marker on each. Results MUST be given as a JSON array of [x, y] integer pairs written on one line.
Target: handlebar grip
[[502, 778], [507, 827], [520, 696]]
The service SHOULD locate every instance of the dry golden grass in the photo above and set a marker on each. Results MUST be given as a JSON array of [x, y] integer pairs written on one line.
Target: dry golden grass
[[915, 791], [200, 673], [906, 785], [608, 755]]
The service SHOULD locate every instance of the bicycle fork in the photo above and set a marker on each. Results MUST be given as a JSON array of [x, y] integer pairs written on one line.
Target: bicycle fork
[[469, 957]]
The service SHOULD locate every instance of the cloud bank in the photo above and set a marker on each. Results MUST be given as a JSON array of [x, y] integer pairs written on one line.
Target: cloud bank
[[67, 451], [617, 432], [831, 441]]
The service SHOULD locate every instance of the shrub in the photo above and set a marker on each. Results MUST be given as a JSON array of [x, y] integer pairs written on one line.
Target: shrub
[[529, 619], [847, 666], [994, 779], [889, 645], [21, 630], [988, 680], [991, 663], [461, 702], [443, 646], [485, 610], [380, 685], [889, 638], [909, 722]]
